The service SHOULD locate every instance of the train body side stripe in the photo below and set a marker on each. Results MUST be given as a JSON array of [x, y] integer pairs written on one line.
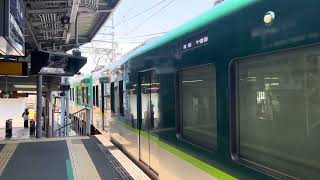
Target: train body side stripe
[[213, 171]]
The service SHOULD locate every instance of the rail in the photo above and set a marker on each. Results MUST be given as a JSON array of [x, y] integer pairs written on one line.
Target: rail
[[77, 125], [63, 126]]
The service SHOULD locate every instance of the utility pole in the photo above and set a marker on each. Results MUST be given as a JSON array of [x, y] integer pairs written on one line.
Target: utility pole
[[106, 54]]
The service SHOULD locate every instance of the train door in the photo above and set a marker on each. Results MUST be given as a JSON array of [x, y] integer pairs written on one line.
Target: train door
[[149, 113]]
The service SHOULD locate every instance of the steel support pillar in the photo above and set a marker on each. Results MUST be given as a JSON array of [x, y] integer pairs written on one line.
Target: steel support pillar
[[67, 112], [88, 121], [53, 117], [50, 114], [46, 114], [63, 107], [62, 111], [39, 107]]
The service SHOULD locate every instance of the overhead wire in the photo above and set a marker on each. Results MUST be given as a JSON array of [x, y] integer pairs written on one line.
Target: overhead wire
[[127, 13], [157, 12], [139, 36], [145, 35], [141, 12], [141, 24], [106, 41]]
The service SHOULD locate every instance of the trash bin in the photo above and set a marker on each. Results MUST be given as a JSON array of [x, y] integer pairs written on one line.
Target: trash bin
[[9, 128], [32, 127]]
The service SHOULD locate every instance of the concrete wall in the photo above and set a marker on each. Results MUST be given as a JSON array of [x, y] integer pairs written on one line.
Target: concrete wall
[[11, 109]]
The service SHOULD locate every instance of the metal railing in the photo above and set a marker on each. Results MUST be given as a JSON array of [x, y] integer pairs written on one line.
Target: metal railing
[[77, 125]]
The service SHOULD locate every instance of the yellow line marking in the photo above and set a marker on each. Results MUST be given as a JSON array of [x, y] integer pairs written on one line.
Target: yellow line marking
[[6, 154], [34, 140]]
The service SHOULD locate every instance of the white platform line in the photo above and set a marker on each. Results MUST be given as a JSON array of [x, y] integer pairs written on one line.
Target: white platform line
[[82, 164], [134, 171]]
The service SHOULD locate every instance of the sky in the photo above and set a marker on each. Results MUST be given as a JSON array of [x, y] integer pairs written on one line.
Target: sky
[[137, 21]]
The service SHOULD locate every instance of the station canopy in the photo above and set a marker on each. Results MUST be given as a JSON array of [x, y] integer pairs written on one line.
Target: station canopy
[[51, 23], [53, 26]]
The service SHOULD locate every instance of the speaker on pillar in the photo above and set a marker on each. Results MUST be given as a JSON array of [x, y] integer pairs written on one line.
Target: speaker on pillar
[[54, 63], [76, 52]]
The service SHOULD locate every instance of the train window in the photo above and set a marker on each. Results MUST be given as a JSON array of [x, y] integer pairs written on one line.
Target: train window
[[102, 97], [198, 106], [121, 111], [97, 95], [277, 113], [82, 96], [87, 95], [94, 95], [77, 95], [112, 97], [71, 94], [116, 98], [107, 99], [132, 107]]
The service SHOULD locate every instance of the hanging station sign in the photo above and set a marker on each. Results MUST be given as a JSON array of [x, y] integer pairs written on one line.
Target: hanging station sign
[[12, 25], [11, 68]]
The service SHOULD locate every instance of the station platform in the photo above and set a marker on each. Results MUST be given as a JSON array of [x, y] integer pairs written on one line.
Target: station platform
[[69, 158], [18, 131]]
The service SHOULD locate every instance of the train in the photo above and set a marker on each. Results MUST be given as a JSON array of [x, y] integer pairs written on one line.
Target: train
[[231, 94]]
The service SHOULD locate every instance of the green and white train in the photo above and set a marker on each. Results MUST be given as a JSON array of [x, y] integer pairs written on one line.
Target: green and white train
[[233, 94]]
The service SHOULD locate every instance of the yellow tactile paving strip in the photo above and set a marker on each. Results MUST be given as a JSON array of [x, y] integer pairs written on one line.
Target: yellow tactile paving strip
[[6, 154], [82, 165], [31, 140], [134, 171]]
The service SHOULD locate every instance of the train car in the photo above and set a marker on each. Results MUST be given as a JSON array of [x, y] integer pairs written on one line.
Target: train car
[[81, 91], [101, 97], [92, 92], [232, 94], [81, 106]]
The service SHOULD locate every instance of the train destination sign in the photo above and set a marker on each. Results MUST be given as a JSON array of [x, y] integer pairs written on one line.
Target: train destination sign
[[196, 41]]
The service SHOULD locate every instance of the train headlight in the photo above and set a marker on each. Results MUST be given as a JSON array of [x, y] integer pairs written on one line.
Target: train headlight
[[269, 17]]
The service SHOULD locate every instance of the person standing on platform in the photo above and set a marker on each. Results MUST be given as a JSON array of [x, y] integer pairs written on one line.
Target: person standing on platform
[[25, 116]]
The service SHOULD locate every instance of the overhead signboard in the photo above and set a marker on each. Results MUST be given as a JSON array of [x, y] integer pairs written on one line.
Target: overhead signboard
[[14, 95], [12, 24], [13, 68], [104, 79], [52, 63]]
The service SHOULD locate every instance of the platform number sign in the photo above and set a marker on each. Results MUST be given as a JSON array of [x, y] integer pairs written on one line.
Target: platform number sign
[[195, 42]]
